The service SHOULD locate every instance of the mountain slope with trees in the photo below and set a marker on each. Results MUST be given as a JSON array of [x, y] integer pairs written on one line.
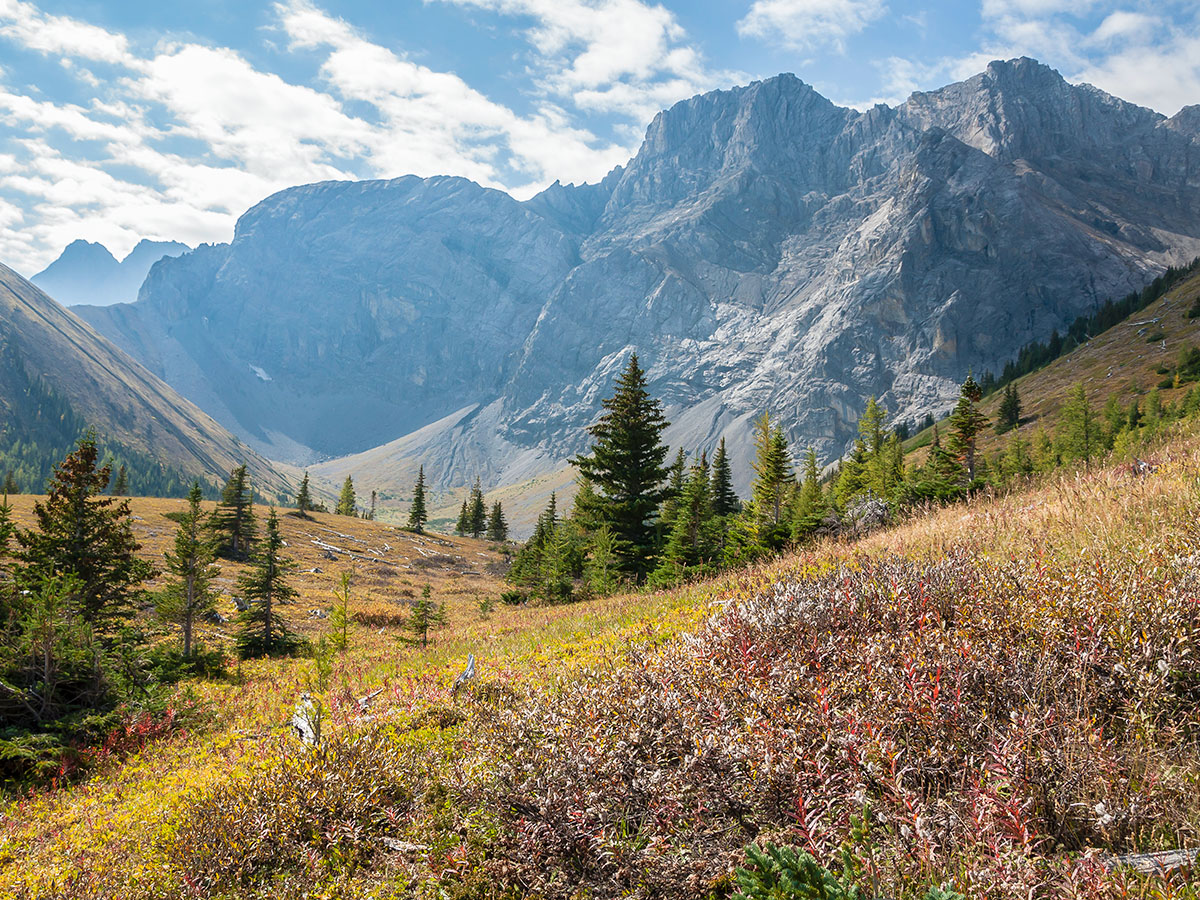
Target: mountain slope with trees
[[765, 249], [58, 376]]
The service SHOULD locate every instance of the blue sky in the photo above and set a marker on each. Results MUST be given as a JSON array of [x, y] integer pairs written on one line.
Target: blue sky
[[123, 120]]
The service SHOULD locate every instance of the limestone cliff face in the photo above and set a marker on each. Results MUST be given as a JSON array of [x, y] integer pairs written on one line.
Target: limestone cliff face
[[764, 249]]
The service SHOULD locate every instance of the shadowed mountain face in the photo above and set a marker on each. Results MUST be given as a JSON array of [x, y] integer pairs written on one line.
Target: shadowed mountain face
[[764, 249], [127, 405], [88, 273]]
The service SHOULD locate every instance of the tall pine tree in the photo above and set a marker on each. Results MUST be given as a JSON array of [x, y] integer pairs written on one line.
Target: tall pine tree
[[304, 502], [477, 512], [190, 596], [497, 529], [724, 499], [626, 466], [417, 514], [84, 536], [263, 631], [773, 476], [232, 522]]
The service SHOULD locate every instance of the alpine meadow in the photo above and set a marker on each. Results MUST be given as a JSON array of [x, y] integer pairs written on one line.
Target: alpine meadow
[[477, 450]]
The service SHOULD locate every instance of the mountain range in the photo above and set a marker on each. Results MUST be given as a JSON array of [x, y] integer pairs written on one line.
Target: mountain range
[[88, 273], [764, 249]]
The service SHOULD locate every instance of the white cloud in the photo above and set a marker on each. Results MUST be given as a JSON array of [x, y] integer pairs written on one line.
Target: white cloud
[[29, 26], [624, 57], [190, 136], [809, 24]]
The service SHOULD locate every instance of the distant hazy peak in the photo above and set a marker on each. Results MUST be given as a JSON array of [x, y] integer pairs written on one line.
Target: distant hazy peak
[[87, 272]]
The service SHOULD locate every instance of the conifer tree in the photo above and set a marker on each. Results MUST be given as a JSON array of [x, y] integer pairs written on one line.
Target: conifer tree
[[773, 475], [263, 631], [497, 529], [425, 615], [724, 499], [190, 596], [85, 537], [692, 540], [871, 428], [585, 509], [477, 511], [967, 421], [10, 487], [676, 474], [121, 485], [463, 525], [1079, 431], [601, 568], [626, 466], [1008, 416], [347, 504], [371, 511], [304, 502], [232, 522], [810, 506], [417, 514]]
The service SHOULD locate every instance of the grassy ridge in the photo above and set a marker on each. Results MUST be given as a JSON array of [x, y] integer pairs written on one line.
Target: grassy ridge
[[1008, 685]]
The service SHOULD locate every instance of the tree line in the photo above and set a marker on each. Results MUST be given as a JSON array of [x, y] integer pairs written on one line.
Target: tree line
[[638, 519]]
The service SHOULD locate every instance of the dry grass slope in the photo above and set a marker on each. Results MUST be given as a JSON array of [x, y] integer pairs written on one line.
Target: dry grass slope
[[1012, 687]]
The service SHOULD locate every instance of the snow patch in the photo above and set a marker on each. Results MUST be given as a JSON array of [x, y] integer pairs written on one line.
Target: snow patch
[[259, 372]]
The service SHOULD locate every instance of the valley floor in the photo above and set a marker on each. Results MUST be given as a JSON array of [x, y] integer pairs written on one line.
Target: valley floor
[[1008, 690]]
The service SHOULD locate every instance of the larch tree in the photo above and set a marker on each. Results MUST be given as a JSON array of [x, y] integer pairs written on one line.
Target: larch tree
[[190, 596], [347, 504], [626, 467]]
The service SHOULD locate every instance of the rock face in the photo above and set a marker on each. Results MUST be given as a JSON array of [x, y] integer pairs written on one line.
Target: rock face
[[88, 273], [764, 249]]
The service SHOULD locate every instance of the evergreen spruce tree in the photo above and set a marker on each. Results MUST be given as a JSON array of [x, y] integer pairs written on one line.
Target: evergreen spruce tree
[[347, 504], [692, 541], [10, 487], [853, 476], [120, 486], [371, 511], [417, 514], [626, 467], [585, 509], [477, 511], [871, 428], [463, 525], [232, 522], [724, 499], [810, 505], [85, 537], [676, 474], [263, 631], [497, 529], [773, 477], [601, 568], [967, 421], [304, 502], [1008, 416], [190, 596]]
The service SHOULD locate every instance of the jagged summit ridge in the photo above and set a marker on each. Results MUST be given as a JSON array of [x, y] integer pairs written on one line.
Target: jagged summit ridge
[[765, 248]]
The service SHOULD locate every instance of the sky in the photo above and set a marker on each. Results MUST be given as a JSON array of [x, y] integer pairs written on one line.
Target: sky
[[137, 119]]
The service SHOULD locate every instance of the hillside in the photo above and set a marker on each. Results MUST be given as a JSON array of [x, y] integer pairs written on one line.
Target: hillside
[[1124, 363], [1011, 695], [764, 249], [50, 355]]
